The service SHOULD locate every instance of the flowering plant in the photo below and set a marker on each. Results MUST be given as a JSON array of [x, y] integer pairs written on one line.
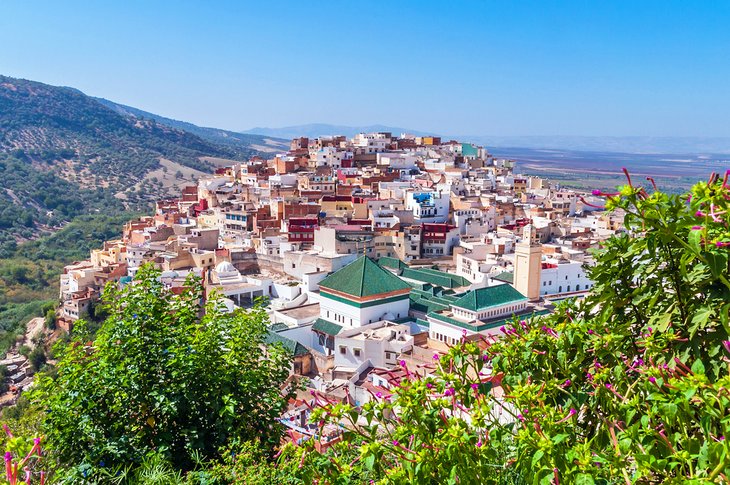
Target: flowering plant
[[22, 460]]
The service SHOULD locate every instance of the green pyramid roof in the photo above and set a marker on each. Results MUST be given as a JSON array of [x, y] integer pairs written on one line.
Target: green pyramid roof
[[476, 300], [362, 278], [294, 348]]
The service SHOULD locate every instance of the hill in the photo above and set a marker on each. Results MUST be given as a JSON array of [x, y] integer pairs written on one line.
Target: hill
[[63, 154], [243, 144]]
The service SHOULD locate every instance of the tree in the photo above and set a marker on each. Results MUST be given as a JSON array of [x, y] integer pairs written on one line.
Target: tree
[[628, 385], [161, 377]]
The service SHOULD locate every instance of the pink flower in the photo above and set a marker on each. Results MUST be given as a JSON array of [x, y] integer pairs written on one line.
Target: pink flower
[[697, 228], [475, 386], [571, 413], [726, 344], [700, 214], [429, 385], [652, 380], [436, 357], [449, 391], [479, 443], [395, 442], [566, 383], [379, 394], [589, 376], [402, 363]]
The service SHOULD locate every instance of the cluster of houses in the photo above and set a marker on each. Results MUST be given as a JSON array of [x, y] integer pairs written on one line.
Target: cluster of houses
[[369, 251]]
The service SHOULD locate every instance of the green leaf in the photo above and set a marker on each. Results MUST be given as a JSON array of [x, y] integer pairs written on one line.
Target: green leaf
[[537, 457], [584, 479], [698, 367], [559, 438], [694, 240]]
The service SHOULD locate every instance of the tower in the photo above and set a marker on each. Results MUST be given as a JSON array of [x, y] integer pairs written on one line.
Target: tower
[[528, 264]]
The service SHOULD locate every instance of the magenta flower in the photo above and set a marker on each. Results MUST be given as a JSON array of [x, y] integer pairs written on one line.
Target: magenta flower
[[726, 344], [475, 386], [395, 442], [697, 228], [402, 363], [379, 394], [700, 214], [652, 380], [436, 357], [449, 391], [566, 383], [479, 443], [429, 385], [589, 376], [8, 456], [571, 413]]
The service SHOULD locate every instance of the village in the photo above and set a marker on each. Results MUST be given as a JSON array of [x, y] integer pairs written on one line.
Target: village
[[370, 254]]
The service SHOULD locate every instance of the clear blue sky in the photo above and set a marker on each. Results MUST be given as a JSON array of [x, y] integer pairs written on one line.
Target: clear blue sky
[[651, 68]]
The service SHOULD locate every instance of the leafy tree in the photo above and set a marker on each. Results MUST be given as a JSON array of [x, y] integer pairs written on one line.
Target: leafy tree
[[161, 377], [628, 385], [37, 358], [50, 319]]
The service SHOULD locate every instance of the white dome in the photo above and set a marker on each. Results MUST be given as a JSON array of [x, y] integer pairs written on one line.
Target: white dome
[[225, 267]]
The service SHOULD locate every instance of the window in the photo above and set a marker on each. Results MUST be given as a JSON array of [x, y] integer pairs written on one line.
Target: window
[[343, 349], [356, 352]]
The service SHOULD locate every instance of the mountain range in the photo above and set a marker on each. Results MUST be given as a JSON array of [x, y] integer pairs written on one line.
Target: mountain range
[[613, 144], [314, 130]]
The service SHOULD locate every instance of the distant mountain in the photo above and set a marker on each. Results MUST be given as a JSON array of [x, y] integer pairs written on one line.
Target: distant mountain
[[612, 144], [314, 130], [244, 144]]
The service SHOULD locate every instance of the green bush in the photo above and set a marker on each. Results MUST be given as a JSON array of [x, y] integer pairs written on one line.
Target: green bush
[[160, 378]]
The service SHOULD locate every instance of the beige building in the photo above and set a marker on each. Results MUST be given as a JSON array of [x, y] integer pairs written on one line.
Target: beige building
[[528, 264]]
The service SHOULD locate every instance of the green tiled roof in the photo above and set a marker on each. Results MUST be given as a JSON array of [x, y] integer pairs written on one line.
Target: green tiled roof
[[325, 326], [484, 325], [392, 263], [435, 277], [476, 300], [292, 346], [278, 326], [363, 277], [507, 277]]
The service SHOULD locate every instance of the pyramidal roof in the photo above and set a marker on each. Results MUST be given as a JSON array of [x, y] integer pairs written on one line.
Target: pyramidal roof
[[490, 296], [363, 277]]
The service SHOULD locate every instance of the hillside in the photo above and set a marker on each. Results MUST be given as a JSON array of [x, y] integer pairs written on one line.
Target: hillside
[[242, 144], [63, 154]]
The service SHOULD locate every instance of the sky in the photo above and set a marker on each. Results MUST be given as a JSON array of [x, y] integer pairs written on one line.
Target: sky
[[507, 68]]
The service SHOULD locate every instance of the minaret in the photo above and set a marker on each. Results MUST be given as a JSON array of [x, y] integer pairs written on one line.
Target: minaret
[[528, 264]]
